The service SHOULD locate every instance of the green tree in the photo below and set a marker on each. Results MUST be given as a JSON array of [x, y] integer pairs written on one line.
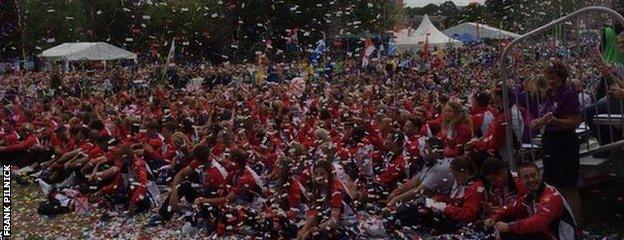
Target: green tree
[[500, 11], [474, 12], [451, 12], [10, 32]]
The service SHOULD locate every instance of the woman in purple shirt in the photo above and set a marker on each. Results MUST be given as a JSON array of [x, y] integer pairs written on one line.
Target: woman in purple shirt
[[559, 118]]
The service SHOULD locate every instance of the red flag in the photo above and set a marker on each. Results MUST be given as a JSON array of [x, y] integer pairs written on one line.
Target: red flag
[[504, 43], [369, 48]]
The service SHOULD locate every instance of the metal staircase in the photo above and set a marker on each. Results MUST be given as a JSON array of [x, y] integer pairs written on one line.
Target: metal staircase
[[593, 169]]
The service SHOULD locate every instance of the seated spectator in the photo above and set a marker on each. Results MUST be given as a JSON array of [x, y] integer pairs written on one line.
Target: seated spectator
[[501, 186], [493, 142], [434, 176], [447, 213], [126, 179], [20, 152], [331, 215], [540, 213], [287, 205], [609, 62], [456, 129], [480, 113], [208, 174]]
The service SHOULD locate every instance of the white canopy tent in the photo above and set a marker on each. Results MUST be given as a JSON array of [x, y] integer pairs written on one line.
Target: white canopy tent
[[410, 39], [480, 31], [89, 51]]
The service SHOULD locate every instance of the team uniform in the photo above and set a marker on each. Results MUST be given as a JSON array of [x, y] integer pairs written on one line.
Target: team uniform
[[540, 215]]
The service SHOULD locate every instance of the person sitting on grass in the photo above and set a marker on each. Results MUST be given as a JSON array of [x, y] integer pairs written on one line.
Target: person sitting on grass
[[501, 186], [203, 172], [539, 213], [331, 215], [450, 212], [435, 175]]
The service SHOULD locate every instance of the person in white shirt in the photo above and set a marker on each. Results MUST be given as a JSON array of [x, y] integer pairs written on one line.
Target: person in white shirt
[[435, 176]]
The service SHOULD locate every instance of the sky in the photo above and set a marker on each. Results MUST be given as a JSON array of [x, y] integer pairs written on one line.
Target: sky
[[420, 3]]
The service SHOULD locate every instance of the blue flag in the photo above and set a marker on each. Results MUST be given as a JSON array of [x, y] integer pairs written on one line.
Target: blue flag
[[392, 47], [318, 51]]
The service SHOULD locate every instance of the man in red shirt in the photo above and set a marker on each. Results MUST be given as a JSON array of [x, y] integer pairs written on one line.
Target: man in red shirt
[[20, 152], [246, 187], [540, 213], [447, 213], [493, 141], [202, 171], [502, 187], [109, 180]]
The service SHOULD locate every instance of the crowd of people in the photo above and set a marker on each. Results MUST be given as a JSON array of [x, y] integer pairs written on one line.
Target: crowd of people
[[290, 151]]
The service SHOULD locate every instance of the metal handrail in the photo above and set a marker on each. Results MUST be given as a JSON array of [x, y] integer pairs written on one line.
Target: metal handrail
[[503, 67], [603, 148]]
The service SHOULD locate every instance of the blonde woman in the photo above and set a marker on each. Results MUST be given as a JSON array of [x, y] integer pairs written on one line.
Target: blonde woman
[[456, 129], [539, 88], [178, 150], [528, 98]]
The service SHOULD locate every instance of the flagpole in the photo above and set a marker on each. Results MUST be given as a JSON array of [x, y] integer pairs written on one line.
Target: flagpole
[[22, 27], [171, 52]]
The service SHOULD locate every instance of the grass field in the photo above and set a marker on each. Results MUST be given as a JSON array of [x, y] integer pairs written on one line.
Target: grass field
[[603, 206], [27, 223]]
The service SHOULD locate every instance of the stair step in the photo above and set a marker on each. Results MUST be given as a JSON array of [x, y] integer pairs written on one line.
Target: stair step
[[590, 161]]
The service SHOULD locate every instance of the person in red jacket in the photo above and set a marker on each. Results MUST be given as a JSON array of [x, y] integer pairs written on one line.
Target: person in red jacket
[[202, 171], [286, 205], [18, 153], [245, 188], [140, 198], [398, 165], [152, 143], [110, 181], [61, 141], [493, 142], [540, 213], [456, 129], [9, 135], [480, 113], [447, 213], [331, 215], [501, 186]]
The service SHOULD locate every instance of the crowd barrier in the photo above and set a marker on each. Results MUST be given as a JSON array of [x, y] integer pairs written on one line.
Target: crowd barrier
[[605, 123]]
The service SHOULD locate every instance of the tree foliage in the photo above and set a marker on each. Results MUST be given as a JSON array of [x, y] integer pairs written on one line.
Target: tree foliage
[[215, 29], [514, 15]]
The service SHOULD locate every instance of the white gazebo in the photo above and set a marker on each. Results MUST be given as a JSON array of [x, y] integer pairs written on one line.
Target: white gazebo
[[410, 39], [480, 31], [87, 51]]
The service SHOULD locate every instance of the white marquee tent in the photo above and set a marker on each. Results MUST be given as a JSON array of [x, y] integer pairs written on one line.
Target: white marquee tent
[[410, 39], [480, 31], [80, 51]]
